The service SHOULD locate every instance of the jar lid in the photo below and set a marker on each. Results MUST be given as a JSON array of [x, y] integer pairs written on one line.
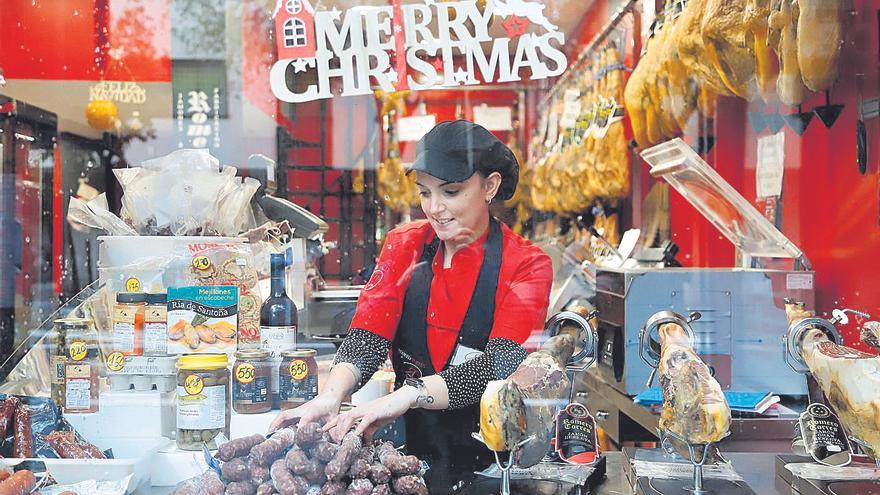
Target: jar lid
[[202, 361], [73, 322], [251, 354], [157, 298], [299, 353], [131, 297]]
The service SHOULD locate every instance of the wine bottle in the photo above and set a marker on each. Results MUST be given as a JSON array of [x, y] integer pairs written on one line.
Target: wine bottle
[[278, 321]]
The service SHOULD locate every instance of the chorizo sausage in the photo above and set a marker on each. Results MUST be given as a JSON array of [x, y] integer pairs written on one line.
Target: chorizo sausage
[[246, 487], [380, 474], [308, 434], [341, 462], [235, 470], [239, 447], [264, 454], [410, 485], [7, 414], [20, 483], [64, 447], [23, 445]]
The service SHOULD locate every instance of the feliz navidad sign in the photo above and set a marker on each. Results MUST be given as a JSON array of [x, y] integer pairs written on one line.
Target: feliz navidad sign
[[390, 45]]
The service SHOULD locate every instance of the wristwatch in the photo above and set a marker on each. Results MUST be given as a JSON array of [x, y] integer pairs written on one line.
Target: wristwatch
[[423, 399]]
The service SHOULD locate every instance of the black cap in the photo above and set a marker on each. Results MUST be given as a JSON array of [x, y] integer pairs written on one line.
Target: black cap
[[452, 151], [131, 297]]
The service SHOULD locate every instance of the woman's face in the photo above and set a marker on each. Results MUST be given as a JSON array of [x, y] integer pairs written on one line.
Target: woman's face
[[457, 210]]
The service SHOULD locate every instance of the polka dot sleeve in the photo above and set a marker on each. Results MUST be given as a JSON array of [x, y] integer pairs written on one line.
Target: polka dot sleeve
[[467, 381], [365, 350]]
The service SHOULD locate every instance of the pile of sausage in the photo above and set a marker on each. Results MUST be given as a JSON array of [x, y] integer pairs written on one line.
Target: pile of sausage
[[16, 416], [304, 460]]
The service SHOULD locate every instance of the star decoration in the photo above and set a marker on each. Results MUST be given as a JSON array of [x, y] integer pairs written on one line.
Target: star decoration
[[301, 65], [461, 76], [515, 26], [398, 29], [335, 13]]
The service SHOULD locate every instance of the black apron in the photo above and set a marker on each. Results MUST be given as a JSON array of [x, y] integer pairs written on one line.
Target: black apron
[[443, 438]]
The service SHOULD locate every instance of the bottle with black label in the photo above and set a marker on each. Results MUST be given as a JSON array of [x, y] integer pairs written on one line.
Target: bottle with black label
[[278, 321]]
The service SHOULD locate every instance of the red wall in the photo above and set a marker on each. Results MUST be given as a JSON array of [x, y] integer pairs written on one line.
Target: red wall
[[70, 40]]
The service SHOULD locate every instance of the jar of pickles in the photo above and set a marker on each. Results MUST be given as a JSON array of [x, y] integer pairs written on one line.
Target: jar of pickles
[[203, 400], [82, 366], [251, 380], [77, 329], [298, 375]]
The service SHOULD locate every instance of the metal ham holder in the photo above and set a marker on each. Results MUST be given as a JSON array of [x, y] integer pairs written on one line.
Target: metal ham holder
[[698, 454], [579, 362], [792, 342]]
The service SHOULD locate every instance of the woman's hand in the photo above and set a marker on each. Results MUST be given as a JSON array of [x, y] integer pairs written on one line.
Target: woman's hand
[[373, 415], [321, 409]]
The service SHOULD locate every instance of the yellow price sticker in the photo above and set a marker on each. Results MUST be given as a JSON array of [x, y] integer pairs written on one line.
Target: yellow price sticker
[[245, 373], [115, 361], [193, 384], [201, 262], [298, 369], [78, 350], [132, 284]]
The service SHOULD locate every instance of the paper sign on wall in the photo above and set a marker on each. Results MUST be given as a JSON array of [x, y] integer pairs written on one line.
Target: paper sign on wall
[[413, 128], [493, 118], [771, 165], [571, 108]]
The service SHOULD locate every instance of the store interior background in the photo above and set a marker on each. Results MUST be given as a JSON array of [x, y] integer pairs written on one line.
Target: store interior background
[[52, 52]]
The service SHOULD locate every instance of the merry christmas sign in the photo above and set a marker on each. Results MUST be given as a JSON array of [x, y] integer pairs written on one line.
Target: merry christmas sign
[[412, 46]]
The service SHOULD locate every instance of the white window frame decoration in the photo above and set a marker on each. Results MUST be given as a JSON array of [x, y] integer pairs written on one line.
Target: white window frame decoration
[[295, 33], [293, 6]]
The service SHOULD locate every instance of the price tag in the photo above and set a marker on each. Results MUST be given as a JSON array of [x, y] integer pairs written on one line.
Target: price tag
[[193, 384], [132, 284], [245, 373], [201, 262], [115, 361], [78, 350], [298, 369]]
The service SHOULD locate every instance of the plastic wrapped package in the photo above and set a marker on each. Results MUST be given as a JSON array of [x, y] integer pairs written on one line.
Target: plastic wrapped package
[[189, 158], [96, 214], [225, 264], [234, 214], [186, 193]]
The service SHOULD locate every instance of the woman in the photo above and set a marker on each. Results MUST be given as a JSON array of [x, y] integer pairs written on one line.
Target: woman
[[452, 298]]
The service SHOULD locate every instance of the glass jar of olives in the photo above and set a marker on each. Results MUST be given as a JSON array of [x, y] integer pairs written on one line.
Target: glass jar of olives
[[204, 405]]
